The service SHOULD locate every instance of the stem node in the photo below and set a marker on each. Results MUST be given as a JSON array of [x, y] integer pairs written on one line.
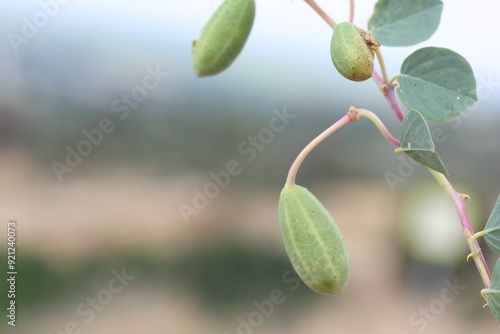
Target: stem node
[[353, 113], [473, 255]]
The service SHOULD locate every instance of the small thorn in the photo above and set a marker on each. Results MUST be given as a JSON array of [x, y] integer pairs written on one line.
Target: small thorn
[[486, 305], [384, 88], [474, 254], [464, 197]]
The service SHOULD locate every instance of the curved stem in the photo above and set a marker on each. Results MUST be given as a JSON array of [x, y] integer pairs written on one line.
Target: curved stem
[[378, 123], [353, 115], [458, 201], [292, 173], [322, 13], [351, 11]]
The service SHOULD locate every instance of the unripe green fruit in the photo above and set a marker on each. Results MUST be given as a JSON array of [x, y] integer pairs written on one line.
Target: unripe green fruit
[[352, 51], [313, 241], [223, 37]]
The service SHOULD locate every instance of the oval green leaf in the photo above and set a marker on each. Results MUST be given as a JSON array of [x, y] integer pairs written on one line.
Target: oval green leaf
[[416, 141], [405, 22], [492, 229], [313, 241], [223, 37], [437, 82]]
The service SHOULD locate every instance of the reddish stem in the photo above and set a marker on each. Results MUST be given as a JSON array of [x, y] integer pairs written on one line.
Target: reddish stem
[[292, 173], [390, 95], [322, 13], [351, 11], [458, 201]]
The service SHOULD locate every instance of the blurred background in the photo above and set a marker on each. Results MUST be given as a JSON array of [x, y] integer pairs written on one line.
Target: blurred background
[[115, 161]]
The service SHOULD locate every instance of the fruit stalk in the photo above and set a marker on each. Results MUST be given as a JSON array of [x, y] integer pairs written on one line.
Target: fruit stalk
[[322, 13], [292, 173], [351, 11], [378, 123], [382, 66], [353, 115]]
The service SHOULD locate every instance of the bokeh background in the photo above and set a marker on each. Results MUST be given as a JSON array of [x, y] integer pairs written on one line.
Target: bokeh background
[[119, 209]]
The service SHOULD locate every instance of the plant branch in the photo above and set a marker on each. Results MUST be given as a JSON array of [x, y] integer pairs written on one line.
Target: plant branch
[[389, 92], [458, 201], [378, 79], [456, 198], [351, 11], [322, 13], [292, 173], [390, 95]]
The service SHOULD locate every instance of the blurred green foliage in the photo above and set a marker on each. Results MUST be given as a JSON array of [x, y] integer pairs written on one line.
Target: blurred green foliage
[[222, 276]]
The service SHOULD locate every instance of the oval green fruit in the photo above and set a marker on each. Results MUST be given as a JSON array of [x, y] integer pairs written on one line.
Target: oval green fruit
[[313, 241], [352, 52], [223, 37]]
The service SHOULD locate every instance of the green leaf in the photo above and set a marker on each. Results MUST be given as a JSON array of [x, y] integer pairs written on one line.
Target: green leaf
[[405, 22], [223, 37], [493, 292], [416, 141], [492, 229], [437, 82], [313, 241]]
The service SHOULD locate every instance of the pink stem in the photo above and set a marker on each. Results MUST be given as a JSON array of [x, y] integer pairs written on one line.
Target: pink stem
[[390, 95], [456, 198], [458, 201], [389, 92], [292, 173], [351, 11], [322, 13]]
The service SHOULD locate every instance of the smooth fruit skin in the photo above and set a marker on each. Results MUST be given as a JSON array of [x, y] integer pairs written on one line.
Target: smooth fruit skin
[[313, 241], [223, 37], [350, 53]]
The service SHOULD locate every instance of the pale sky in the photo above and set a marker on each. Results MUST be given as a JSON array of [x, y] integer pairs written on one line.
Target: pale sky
[[469, 28], [285, 33]]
